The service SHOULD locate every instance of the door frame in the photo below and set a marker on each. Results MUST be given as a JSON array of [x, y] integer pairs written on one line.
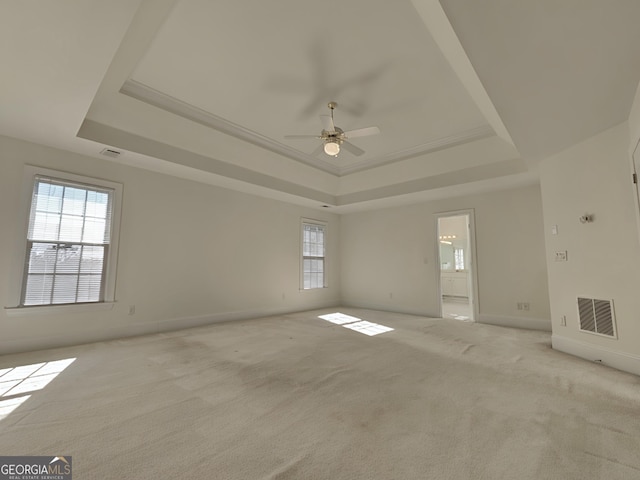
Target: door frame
[[635, 169], [473, 263]]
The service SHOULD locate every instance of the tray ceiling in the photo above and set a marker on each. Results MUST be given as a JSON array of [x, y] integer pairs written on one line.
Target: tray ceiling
[[209, 90]]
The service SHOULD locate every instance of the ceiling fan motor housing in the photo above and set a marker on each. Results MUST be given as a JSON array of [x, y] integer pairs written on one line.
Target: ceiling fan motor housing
[[337, 136]]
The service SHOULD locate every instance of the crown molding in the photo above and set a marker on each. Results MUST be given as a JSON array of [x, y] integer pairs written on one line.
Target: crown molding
[[466, 136], [156, 98], [161, 100]]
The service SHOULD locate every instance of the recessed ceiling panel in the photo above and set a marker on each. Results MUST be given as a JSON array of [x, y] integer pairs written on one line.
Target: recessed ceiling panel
[[270, 68]]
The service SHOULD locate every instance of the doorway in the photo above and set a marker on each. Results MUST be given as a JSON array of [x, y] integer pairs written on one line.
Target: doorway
[[456, 261]]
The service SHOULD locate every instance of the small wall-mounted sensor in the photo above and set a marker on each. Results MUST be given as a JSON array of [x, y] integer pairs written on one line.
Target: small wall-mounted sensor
[[561, 256], [586, 218]]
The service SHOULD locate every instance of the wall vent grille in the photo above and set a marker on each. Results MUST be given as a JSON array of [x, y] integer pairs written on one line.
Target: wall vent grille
[[110, 152], [596, 316]]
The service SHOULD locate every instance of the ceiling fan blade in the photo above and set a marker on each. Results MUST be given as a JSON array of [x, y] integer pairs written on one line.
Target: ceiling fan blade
[[351, 148], [302, 136], [327, 123], [362, 132], [318, 150]]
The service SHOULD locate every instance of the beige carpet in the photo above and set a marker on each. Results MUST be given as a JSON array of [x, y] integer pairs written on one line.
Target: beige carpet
[[298, 397]]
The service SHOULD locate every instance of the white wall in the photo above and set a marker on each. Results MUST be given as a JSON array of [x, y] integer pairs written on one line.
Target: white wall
[[384, 253], [225, 254], [603, 257]]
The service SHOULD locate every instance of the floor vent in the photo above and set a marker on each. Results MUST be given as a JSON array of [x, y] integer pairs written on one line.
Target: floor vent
[[596, 316]]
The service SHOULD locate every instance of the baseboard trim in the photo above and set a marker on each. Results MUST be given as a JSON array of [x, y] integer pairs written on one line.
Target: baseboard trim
[[626, 362], [118, 331], [199, 321], [387, 308], [528, 323]]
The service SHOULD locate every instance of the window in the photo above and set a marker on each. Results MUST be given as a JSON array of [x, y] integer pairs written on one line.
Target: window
[[70, 254], [458, 254], [313, 255]]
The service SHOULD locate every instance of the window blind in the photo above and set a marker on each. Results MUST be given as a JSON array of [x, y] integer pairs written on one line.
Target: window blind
[[67, 242], [313, 255]]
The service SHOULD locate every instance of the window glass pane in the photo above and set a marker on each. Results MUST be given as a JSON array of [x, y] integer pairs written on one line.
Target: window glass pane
[[71, 228], [97, 203], [42, 258], [74, 200], [459, 258], [92, 259], [38, 290], [48, 198], [68, 259], [89, 288], [45, 226], [94, 230], [64, 289]]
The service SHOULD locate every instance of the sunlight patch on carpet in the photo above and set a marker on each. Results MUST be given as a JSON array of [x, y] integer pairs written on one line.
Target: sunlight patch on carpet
[[356, 324], [16, 381], [368, 328], [339, 318]]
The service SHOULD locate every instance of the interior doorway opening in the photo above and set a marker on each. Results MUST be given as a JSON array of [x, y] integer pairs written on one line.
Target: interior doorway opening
[[456, 266]]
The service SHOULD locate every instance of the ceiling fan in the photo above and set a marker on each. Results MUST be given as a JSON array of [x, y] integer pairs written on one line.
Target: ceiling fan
[[333, 138]]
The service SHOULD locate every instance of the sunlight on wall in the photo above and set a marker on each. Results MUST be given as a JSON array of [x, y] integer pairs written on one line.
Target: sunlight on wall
[[356, 324], [15, 382]]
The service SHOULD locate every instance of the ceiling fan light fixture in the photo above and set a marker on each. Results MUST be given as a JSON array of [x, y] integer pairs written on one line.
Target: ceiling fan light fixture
[[332, 148], [334, 138]]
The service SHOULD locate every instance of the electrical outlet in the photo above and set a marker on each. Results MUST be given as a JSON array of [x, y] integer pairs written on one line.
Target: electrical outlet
[[525, 306], [519, 305], [561, 256]]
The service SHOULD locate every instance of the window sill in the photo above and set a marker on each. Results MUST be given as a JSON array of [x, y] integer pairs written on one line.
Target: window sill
[[57, 309]]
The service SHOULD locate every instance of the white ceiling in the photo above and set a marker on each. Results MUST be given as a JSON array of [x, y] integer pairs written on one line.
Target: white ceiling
[[208, 90]]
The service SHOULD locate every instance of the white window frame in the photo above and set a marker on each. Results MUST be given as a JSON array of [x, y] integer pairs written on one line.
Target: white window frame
[[19, 270], [325, 226]]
